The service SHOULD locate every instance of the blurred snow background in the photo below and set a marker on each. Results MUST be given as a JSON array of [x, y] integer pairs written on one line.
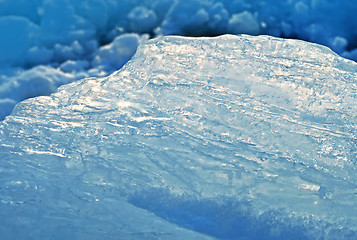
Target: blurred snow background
[[47, 43]]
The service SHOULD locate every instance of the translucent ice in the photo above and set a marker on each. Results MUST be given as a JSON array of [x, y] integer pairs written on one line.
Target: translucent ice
[[228, 137], [68, 35]]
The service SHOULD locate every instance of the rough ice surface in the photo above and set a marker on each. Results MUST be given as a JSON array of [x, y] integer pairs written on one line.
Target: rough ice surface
[[232, 137], [67, 35]]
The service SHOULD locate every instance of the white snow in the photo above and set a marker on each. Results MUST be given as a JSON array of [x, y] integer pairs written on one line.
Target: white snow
[[233, 137], [243, 23], [17, 84], [142, 20]]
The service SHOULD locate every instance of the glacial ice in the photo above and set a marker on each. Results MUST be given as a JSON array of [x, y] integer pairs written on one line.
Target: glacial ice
[[232, 137]]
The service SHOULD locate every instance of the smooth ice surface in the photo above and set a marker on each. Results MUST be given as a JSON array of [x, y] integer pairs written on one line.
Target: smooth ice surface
[[229, 137]]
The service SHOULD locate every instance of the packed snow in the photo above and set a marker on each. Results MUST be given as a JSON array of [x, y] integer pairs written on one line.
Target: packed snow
[[71, 36], [231, 137]]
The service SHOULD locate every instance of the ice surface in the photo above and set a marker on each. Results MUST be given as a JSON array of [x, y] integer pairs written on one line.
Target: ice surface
[[233, 137], [68, 35]]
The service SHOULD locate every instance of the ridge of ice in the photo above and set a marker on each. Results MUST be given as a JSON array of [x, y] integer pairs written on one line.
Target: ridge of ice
[[68, 35], [231, 137]]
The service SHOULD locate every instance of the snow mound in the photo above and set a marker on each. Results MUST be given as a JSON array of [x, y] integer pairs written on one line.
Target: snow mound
[[227, 137], [57, 24], [17, 84]]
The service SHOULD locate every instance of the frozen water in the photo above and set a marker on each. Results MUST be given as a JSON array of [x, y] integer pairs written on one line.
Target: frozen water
[[67, 35], [228, 137]]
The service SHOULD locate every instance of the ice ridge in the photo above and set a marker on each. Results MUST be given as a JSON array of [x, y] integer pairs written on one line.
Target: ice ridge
[[194, 138]]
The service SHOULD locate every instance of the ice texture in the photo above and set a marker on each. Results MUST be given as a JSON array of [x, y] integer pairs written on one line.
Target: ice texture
[[231, 137], [75, 36]]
